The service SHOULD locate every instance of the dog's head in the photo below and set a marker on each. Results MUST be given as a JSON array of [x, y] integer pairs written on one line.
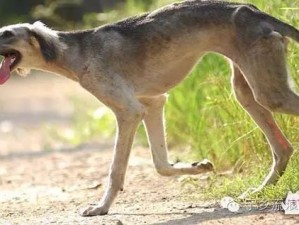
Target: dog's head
[[26, 46]]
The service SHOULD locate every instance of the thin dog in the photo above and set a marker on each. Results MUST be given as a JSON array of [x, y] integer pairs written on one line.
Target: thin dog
[[130, 65]]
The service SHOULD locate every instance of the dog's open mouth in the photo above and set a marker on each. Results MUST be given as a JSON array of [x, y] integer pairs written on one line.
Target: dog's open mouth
[[9, 63]]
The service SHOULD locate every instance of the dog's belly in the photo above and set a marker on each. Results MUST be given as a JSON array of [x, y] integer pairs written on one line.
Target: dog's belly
[[165, 77]]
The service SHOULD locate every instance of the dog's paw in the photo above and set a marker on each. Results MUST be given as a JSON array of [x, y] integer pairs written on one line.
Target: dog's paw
[[249, 192], [204, 166], [93, 211]]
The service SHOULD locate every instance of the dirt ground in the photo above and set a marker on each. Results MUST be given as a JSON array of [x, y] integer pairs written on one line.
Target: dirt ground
[[44, 181]]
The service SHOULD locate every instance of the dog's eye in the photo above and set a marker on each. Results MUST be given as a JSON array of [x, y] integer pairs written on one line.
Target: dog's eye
[[7, 34]]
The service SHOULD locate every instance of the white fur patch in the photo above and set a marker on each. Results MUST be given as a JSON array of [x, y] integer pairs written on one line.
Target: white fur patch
[[23, 71], [49, 35], [43, 29]]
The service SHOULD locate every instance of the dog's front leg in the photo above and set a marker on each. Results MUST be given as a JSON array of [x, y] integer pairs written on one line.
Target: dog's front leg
[[127, 124], [154, 123], [129, 113]]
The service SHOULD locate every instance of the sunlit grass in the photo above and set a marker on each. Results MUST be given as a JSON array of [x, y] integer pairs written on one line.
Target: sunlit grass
[[235, 184]]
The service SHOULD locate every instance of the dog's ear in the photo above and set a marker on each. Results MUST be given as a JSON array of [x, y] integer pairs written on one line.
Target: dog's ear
[[47, 48], [249, 26], [46, 39]]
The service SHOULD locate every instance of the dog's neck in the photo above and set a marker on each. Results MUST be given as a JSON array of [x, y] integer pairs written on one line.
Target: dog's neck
[[62, 55], [59, 67]]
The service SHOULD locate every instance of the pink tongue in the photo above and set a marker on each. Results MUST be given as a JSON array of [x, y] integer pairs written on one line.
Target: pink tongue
[[5, 69]]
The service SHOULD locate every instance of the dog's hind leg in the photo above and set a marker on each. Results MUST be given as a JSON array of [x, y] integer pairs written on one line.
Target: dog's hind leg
[[280, 146], [154, 123]]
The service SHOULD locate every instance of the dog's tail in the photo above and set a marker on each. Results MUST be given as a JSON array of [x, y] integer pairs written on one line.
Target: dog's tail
[[283, 28]]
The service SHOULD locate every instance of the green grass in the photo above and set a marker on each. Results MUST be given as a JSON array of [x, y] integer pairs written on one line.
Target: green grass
[[211, 122], [236, 184], [214, 125]]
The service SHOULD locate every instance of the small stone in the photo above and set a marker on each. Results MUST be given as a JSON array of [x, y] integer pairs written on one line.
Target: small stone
[[261, 217], [119, 222]]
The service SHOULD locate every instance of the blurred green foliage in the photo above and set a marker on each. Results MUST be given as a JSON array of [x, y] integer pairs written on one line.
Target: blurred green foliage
[[15, 11], [55, 13], [72, 14]]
